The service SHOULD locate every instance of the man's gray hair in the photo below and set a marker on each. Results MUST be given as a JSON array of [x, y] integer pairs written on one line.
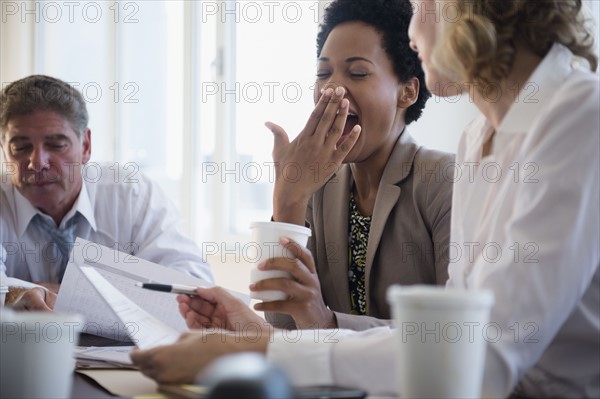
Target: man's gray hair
[[43, 93]]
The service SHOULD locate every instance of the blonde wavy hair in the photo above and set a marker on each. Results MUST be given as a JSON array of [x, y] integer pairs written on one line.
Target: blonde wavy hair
[[479, 46]]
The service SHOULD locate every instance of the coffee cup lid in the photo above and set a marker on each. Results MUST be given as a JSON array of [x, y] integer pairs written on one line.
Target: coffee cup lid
[[287, 226], [29, 318]]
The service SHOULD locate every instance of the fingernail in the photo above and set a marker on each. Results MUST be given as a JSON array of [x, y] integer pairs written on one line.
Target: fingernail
[[328, 92], [252, 287], [284, 240], [262, 265], [344, 103], [339, 91], [322, 90]]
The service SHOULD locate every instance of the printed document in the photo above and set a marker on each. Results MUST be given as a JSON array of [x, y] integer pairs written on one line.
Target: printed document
[[123, 271], [145, 330]]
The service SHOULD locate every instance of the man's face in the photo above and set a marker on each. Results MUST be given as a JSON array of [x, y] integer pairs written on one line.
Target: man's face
[[45, 157]]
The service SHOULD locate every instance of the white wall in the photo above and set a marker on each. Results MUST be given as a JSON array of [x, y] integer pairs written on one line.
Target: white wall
[[594, 10], [442, 122], [16, 45]]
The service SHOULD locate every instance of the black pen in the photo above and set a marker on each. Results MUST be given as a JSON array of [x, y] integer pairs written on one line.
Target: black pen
[[172, 288]]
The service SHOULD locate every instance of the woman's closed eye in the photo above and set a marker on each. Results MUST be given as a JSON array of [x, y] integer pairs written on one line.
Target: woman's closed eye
[[323, 74]]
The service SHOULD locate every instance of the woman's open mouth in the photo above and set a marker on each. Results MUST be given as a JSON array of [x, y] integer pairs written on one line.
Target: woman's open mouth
[[351, 121]]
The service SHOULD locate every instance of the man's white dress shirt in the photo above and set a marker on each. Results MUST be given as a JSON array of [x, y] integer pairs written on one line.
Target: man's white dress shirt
[[525, 224], [119, 210]]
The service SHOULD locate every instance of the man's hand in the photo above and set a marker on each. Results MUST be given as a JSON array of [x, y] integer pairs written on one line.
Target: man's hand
[[37, 298], [217, 308], [181, 362], [305, 302]]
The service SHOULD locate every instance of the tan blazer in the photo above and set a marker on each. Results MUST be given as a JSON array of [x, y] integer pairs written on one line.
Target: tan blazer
[[409, 235]]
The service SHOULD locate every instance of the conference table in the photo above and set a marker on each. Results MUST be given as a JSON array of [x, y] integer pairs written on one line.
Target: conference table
[[84, 387]]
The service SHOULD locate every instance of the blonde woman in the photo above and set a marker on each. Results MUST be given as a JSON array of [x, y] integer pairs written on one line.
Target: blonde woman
[[541, 129]]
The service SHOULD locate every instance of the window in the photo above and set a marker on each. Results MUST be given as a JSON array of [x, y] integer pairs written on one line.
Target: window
[[179, 90], [262, 68]]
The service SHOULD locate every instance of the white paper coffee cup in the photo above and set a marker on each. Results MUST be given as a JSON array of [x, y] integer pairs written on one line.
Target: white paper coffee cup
[[3, 292], [37, 353], [440, 340], [3, 289], [265, 245]]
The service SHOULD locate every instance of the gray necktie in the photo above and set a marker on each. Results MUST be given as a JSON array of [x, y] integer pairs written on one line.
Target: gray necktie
[[62, 239]]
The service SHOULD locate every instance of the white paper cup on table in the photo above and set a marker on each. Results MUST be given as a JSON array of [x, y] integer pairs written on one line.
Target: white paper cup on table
[[3, 289], [37, 353], [3, 292], [440, 340], [265, 245]]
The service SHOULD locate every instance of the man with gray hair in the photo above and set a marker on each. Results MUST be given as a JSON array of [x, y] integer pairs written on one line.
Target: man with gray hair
[[46, 201]]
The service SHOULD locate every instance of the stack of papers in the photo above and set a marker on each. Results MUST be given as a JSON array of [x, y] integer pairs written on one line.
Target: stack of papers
[[104, 357], [100, 284]]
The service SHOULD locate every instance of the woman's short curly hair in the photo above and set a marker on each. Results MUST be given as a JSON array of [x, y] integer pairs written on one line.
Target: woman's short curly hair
[[391, 19], [479, 46]]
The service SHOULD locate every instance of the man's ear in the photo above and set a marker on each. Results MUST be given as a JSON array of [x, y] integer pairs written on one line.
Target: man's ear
[[409, 93], [86, 146]]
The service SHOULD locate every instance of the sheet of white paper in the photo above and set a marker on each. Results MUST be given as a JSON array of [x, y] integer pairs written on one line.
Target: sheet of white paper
[[145, 330], [123, 271]]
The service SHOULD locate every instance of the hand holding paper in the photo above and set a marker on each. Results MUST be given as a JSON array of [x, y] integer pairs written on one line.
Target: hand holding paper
[[123, 271], [216, 308]]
